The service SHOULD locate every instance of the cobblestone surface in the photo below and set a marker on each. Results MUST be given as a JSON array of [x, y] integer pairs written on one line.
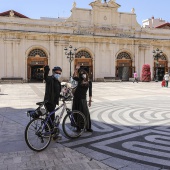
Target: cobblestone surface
[[130, 123], [60, 158], [14, 153]]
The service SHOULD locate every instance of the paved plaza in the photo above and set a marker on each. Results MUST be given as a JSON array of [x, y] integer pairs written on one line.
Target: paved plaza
[[130, 122]]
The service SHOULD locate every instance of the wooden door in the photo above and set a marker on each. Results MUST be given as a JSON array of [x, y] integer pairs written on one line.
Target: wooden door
[[85, 63]]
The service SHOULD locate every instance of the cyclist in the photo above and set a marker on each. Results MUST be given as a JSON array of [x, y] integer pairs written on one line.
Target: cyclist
[[52, 89]]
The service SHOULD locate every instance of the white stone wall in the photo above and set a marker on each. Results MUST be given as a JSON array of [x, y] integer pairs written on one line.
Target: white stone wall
[[103, 37], [152, 22]]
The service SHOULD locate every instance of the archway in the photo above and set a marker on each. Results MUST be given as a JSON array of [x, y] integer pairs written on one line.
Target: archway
[[36, 61], [84, 59], [162, 67], [124, 66]]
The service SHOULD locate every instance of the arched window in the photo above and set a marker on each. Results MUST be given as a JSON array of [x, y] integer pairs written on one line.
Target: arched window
[[123, 55], [35, 52], [83, 54]]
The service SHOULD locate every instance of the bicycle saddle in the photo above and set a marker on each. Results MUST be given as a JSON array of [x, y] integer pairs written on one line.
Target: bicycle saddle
[[39, 103]]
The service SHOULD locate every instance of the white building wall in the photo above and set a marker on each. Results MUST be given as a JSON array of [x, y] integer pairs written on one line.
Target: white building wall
[[2, 59], [103, 36], [152, 22]]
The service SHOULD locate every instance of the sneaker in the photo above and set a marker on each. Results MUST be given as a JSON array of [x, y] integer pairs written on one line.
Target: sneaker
[[89, 130], [57, 137]]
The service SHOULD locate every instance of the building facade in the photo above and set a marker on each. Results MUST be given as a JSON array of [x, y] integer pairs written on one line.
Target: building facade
[[153, 22], [109, 43]]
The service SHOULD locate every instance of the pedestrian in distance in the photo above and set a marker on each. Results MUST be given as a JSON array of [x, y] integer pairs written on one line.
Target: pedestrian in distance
[[135, 77], [79, 100], [166, 77], [52, 89]]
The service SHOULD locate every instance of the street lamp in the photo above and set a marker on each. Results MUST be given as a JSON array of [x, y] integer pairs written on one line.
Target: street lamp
[[70, 55], [157, 54]]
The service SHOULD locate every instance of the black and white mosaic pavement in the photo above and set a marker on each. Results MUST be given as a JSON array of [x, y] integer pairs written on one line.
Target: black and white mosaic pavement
[[131, 123], [130, 133]]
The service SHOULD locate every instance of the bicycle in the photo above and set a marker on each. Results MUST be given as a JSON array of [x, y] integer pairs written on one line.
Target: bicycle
[[38, 132]]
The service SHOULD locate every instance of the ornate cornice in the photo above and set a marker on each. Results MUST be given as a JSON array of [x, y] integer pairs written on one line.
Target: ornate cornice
[[12, 40], [98, 3]]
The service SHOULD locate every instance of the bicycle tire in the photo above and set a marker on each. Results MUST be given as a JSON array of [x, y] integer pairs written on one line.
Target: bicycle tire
[[35, 125], [70, 130]]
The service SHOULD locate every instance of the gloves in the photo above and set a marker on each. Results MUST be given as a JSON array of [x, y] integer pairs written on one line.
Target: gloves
[[46, 69]]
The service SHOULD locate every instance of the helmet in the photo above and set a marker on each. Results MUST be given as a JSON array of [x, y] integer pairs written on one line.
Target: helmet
[[57, 68]]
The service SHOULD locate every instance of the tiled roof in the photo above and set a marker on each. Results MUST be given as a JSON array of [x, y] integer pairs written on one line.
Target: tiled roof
[[163, 25], [16, 14]]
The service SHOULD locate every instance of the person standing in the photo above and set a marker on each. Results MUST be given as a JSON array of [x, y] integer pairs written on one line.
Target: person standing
[[79, 100], [135, 77], [166, 77], [52, 89]]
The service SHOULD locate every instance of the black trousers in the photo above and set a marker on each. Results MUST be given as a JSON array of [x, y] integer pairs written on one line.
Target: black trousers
[[50, 107], [166, 83]]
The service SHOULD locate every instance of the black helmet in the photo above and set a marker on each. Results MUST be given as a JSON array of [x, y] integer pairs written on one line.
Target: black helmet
[[57, 68]]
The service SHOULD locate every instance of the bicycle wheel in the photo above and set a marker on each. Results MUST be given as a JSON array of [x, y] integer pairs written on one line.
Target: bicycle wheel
[[36, 137], [74, 124]]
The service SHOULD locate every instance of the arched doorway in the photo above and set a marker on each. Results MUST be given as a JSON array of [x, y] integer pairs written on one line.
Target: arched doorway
[[162, 67], [36, 61], [84, 59], [124, 66]]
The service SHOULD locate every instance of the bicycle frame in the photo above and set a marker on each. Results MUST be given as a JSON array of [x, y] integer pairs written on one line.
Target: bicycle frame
[[48, 118], [41, 121]]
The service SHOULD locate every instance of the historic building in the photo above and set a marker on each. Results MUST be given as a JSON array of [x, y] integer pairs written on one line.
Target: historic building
[[109, 43], [152, 22]]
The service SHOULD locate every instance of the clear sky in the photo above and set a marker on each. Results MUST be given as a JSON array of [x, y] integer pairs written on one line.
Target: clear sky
[[53, 8]]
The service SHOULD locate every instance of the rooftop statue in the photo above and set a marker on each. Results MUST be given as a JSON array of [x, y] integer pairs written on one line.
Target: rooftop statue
[[133, 10], [74, 4], [11, 13]]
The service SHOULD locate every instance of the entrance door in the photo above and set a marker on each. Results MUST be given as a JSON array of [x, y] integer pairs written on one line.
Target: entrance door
[[37, 72], [86, 68], [124, 71], [124, 66], [162, 67], [125, 74], [84, 59], [120, 70], [36, 60], [161, 72]]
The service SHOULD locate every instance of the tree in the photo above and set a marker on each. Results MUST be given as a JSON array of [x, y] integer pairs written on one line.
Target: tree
[[146, 74]]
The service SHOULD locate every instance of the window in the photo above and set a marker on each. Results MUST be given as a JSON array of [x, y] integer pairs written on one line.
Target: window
[[83, 54], [35, 52], [123, 55]]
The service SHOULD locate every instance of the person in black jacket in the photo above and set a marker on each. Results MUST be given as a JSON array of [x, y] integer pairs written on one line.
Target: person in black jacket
[[52, 89], [79, 100]]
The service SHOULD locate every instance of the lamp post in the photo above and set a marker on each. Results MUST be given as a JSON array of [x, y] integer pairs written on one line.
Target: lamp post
[[157, 54], [70, 55]]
